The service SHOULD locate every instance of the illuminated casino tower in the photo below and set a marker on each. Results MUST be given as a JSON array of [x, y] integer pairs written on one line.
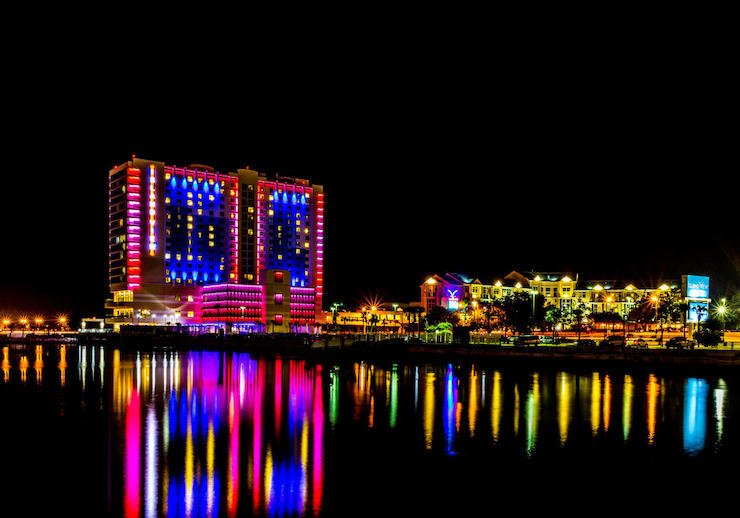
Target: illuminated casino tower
[[174, 230]]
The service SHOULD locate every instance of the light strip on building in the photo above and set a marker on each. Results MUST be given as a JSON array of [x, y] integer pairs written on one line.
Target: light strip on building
[[319, 282], [133, 237], [152, 210]]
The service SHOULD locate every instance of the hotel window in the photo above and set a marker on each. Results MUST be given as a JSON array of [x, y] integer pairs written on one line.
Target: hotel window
[[278, 298]]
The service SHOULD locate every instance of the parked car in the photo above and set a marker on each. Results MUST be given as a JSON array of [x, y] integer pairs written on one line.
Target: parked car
[[637, 342], [526, 340], [587, 343], [613, 342], [678, 342]]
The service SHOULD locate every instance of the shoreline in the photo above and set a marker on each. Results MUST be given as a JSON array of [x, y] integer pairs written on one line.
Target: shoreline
[[307, 346]]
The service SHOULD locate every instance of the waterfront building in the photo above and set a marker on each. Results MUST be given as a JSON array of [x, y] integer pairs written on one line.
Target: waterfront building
[[180, 235], [365, 320], [563, 290]]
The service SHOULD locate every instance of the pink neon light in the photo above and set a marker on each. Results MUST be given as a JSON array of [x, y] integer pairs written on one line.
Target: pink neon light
[[132, 483]]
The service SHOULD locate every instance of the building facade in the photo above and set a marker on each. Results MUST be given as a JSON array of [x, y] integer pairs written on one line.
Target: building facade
[[563, 290], [181, 235]]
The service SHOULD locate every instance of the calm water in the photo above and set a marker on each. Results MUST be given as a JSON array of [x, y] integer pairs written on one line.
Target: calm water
[[98, 431]]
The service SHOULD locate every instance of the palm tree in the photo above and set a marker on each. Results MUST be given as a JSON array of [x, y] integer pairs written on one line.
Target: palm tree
[[578, 315]]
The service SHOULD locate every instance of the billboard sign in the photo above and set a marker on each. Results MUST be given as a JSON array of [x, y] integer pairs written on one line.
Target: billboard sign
[[452, 300], [696, 286], [698, 312]]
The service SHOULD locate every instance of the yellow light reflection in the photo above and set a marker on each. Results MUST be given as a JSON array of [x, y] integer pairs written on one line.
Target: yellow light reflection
[[653, 390], [595, 403], [210, 463], [496, 407], [473, 401], [24, 368], [607, 402], [429, 410], [6, 364], [627, 392], [38, 364], [565, 402]]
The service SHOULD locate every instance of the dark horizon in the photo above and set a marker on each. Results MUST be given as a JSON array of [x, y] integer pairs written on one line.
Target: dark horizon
[[610, 178]]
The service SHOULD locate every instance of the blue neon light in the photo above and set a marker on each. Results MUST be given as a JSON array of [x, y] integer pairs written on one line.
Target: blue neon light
[[184, 183]]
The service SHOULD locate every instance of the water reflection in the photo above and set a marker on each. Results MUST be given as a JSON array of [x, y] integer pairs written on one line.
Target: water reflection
[[719, 408], [227, 434], [695, 416]]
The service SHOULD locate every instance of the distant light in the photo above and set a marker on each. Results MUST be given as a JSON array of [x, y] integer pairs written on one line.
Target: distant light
[[665, 287]]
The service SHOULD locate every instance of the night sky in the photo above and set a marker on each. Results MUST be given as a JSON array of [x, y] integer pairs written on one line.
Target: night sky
[[433, 160]]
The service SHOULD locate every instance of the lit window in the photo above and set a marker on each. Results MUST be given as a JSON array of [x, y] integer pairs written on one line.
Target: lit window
[[191, 314], [278, 298], [210, 243]]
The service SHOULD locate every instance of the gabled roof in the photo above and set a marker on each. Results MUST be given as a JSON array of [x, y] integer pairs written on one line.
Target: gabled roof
[[437, 279]]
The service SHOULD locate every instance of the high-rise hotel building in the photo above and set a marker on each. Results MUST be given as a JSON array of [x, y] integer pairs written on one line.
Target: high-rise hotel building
[[192, 246]]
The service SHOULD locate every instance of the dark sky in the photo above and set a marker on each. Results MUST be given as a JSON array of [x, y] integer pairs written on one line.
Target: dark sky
[[440, 156]]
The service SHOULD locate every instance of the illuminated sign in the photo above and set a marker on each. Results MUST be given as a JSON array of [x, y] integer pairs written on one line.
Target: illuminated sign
[[698, 312], [696, 286], [152, 210], [452, 301]]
